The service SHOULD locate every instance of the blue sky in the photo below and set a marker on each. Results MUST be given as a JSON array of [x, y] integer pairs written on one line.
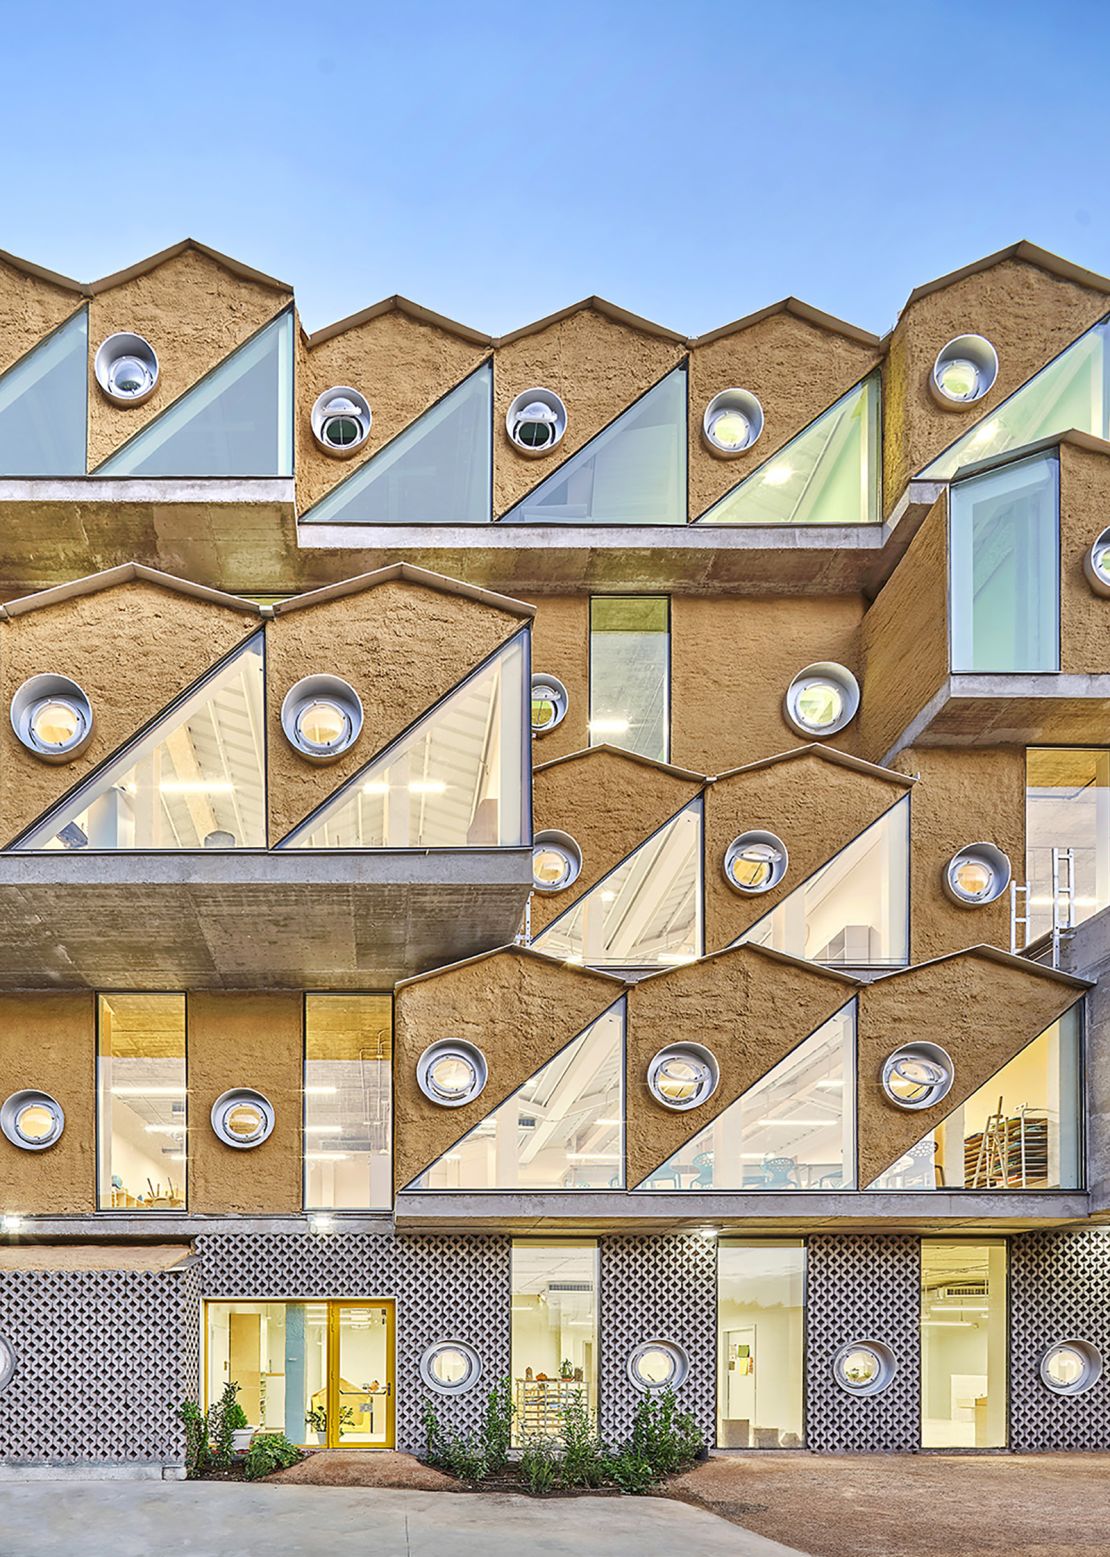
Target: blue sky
[[691, 161]]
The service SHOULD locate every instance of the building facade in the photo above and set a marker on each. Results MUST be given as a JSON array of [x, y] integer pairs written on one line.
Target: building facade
[[579, 857]]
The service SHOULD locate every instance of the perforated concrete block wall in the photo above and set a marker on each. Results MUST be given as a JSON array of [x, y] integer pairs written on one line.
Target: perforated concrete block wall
[[1059, 1291]]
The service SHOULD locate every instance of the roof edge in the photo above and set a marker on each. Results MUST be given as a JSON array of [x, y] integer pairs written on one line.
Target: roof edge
[[1031, 254], [993, 954], [631, 756], [601, 306], [126, 573], [520, 951], [397, 304], [412, 574], [828, 754], [142, 267], [40, 273], [800, 310]]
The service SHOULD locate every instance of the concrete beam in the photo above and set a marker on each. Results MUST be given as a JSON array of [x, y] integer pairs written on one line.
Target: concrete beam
[[1008, 710]]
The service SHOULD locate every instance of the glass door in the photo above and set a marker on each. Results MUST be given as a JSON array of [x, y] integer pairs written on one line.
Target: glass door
[[360, 1375]]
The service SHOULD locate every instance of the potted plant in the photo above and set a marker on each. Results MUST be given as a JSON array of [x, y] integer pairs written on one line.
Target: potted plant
[[241, 1430], [317, 1418], [566, 1369]]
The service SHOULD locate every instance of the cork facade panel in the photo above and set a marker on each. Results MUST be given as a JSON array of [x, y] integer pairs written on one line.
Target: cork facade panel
[[48, 1044], [1084, 512], [30, 308], [561, 647]]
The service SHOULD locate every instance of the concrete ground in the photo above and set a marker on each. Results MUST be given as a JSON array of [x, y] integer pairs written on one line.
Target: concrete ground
[[211, 1519]]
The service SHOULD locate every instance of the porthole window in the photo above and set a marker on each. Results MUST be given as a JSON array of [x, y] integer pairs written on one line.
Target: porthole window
[[1096, 565], [242, 1118], [965, 371], [341, 420], [755, 862], [52, 717], [7, 1362], [864, 1367], [451, 1072], [556, 861], [1071, 1367], [918, 1075], [32, 1120], [732, 422], [976, 875], [536, 421], [549, 703], [126, 368], [656, 1365], [450, 1367], [683, 1076], [321, 717], [822, 699]]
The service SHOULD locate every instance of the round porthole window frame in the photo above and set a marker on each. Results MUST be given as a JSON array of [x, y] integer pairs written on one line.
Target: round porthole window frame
[[452, 1048], [752, 839], [17, 1104], [738, 402], [547, 408], [321, 689], [976, 352], [929, 1054], [1091, 1367], [559, 843], [822, 673], [678, 1357], [35, 694], [551, 689], [469, 1355], [9, 1361], [1098, 575], [341, 403], [993, 858], [242, 1097], [125, 346], [695, 1054], [886, 1368]]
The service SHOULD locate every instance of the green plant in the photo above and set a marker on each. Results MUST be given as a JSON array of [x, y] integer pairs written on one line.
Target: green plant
[[583, 1458], [268, 1453], [539, 1465], [435, 1444], [663, 1437], [466, 1459], [237, 1418], [497, 1425], [195, 1422], [630, 1473], [222, 1422], [317, 1419], [566, 1369]]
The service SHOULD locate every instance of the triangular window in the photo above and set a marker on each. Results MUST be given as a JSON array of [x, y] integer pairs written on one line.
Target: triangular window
[[794, 1129], [455, 780], [195, 779], [827, 474], [633, 472], [438, 471], [238, 421], [646, 913], [563, 1129], [44, 405]]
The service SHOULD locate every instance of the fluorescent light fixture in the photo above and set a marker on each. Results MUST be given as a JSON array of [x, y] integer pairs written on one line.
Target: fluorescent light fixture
[[675, 959], [320, 1091], [324, 1129], [778, 474], [148, 1091], [608, 896], [326, 1156], [608, 726], [170, 1129], [950, 1324], [197, 787], [827, 1084], [376, 787], [427, 787], [796, 1124]]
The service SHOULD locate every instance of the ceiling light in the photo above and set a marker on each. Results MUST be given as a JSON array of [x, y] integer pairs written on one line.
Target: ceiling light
[[427, 787], [608, 726], [778, 474]]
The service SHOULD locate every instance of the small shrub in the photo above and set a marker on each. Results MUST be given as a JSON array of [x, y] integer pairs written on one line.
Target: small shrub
[[497, 1426], [237, 1418], [466, 1459], [583, 1459], [222, 1422], [268, 1453], [195, 1422], [663, 1437], [435, 1444], [630, 1473], [539, 1465]]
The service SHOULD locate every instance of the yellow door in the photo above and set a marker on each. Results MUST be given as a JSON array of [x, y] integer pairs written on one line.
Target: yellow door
[[361, 1401]]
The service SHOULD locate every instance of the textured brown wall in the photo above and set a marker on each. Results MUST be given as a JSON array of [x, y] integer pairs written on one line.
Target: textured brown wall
[[1084, 514], [402, 646], [596, 364], [795, 369], [748, 1008], [49, 1042], [964, 796], [905, 638], [731, 663], [133, 648], [561, 647], [1027, 314], [194, 312], [609, 803], [401, 364], [980, 1010], [245, 1041], [29, 309], [519, 1008], [816, 807]]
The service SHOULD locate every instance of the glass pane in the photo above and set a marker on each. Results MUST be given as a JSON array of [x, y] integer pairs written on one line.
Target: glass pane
[[1067, 806], [792, 1130], [277, 1354], [347, 1102], [646, 913], [963, 1344], [1071, 392], [236, 422], [827, 474], [365, 1368], [630, 673], [855, 911], [562, 1130], [44, 405], [1005, 534], [438, 471], [1020, 1130], [554, 1333], [760, 1344], [634, 472], [195, 780], [141, 1103], [455, 781]]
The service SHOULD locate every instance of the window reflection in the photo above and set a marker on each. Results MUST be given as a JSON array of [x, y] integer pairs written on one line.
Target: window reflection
[[1067, 808], [347, 1102], [630, 673], [141, 1103]]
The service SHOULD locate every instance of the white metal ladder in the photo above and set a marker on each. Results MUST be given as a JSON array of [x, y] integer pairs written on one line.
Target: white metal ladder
[[1063, 905]]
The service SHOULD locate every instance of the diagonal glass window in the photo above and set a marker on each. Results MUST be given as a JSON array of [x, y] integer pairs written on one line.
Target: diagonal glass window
[[438, 471], [793, 1130], [195, 780], [238, 421], [1020, 1130], [855, 911], [1067, 824], [44, 405], [1072, 392], [633, 472], [456, 780], [630, 673], [827, 474], [564, 1128], [644, 914]]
